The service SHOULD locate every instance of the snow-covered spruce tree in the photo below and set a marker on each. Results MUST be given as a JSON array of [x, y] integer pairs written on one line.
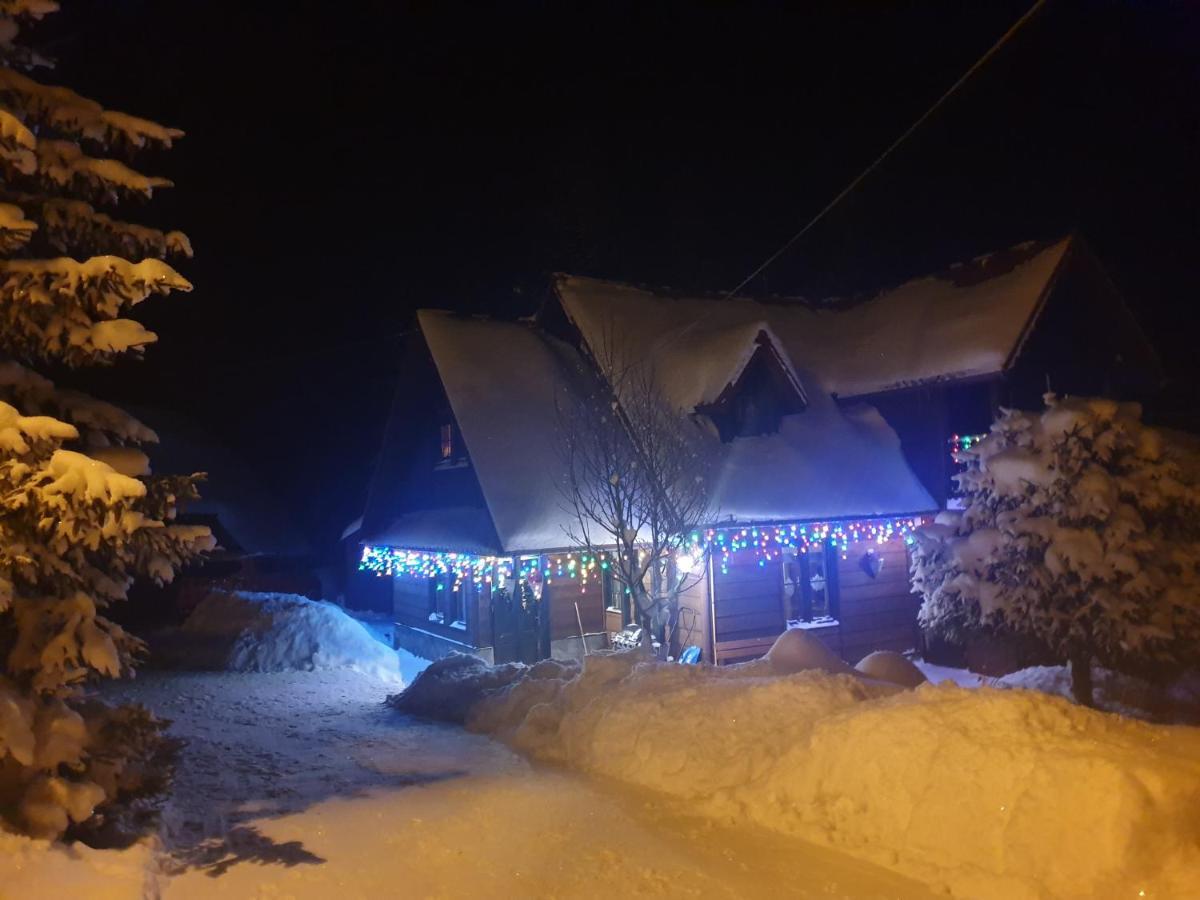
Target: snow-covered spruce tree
[[1079, 529], [80, 515]]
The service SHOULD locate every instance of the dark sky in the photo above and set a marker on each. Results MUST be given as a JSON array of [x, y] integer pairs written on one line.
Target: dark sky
[[348, 163]]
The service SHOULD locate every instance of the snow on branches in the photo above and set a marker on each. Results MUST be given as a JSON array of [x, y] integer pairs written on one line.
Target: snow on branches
[[1079, 529], [66, 112], [66, 310], [81, 515]]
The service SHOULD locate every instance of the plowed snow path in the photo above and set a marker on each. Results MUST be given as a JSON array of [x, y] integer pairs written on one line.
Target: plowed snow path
[[303, 785]]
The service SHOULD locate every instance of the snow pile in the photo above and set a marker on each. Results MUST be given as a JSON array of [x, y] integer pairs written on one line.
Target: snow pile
[[796, 650], [885, 665], [448, 688], [38, 868], [989, 793], [244, 631], [1117, 692]]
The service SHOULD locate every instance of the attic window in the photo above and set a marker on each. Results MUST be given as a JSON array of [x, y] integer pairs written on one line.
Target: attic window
[[451, 451], [756, 403]]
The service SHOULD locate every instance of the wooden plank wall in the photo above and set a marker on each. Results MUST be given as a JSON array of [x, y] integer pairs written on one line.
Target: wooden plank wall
[[695, 597], [410, 606], [749, 599], [563, 593], [876, 613], [410, 600]]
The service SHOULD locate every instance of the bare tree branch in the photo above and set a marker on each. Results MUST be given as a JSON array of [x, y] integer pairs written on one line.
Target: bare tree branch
[[638, 482]]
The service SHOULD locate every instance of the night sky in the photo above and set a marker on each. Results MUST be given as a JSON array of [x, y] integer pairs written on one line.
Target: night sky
[[347, 164]]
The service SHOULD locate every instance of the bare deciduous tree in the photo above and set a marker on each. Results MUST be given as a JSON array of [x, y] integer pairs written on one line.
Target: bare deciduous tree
[[638, 484]]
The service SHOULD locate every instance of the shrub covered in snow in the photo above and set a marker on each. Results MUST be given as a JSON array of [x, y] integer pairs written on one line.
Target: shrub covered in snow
[[1078, 529], [82, 515], [992, 794], [245, 631]]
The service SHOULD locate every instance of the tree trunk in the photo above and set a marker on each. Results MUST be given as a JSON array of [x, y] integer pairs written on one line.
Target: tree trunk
[[1081, 678]]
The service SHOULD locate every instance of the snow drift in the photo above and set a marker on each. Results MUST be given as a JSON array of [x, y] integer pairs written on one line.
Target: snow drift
[[244, 631], [990, 793], [40, 868]]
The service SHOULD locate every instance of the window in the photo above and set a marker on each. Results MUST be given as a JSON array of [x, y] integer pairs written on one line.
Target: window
[[810, 587], [437, 585], [615, 596], [757, 402], [449, 599], [451, 451]]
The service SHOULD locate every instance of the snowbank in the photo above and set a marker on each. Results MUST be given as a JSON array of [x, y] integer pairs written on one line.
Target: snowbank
[[1117, 692], [448, 688], [36, 868], [1175, 703], [243, 631], [991, 793]]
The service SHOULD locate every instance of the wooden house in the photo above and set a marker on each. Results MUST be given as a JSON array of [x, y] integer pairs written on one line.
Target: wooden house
[[830, 423], [939, 356]]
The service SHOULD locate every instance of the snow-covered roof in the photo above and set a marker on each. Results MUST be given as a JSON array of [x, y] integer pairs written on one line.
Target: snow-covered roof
[[695, 357], [462, 529], [503, 380], [969, 321], [824, 463]]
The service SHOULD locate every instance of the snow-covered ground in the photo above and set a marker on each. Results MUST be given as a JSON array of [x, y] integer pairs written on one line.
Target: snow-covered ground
[[792, 776], [304, 785], [983, 793]]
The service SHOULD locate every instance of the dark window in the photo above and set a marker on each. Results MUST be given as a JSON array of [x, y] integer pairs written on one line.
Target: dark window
[[458, 598], [437, 585], [448, 600], [757, 413], [757, 403], [615, 596]]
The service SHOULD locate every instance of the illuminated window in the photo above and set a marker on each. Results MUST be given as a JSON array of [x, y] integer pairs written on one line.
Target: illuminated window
[[447, 442], [810, 587]]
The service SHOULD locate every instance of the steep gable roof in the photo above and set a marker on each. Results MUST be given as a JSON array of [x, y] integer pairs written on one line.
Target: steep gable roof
[[503, 380], [695, 357], [966, 322]]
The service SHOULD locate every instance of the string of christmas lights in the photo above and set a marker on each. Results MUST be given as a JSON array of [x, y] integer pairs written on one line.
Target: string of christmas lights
[[766, 543], [960, 442], [434, 564], [771, 542]]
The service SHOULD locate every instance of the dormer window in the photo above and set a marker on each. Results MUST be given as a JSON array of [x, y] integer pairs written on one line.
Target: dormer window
[[765, 391]]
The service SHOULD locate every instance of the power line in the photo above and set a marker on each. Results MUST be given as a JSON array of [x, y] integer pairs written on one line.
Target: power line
[[979, 63]]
